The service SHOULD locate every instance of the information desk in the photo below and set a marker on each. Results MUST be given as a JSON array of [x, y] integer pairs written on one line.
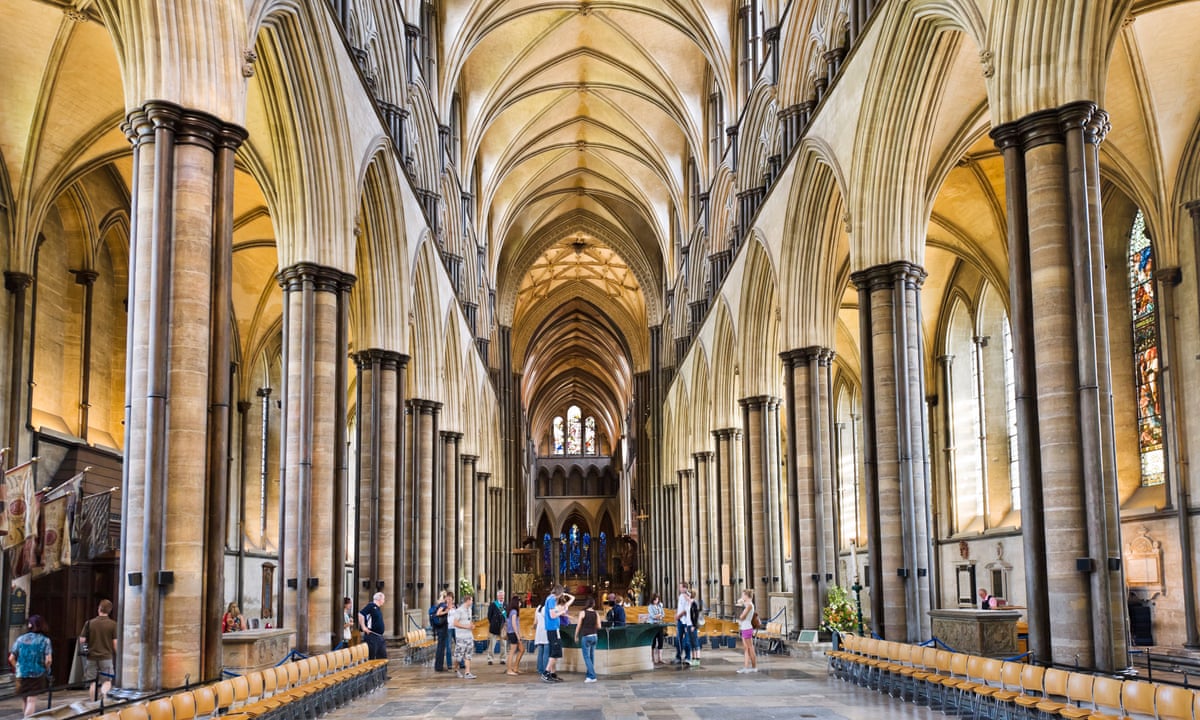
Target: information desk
[[618, 650], [248, 650], [991, 633]]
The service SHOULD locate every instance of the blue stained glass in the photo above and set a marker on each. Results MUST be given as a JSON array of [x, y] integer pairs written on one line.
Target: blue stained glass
[[562, 555], [587, 554], [603, 553], [546, 554], [574, 549]]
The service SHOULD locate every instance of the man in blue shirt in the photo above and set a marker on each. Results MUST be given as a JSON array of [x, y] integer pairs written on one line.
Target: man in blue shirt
[[555, 609]]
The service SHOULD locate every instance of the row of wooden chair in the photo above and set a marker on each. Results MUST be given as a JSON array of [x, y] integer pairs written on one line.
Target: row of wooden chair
[[419, 645], [991, 688], [292, 691]]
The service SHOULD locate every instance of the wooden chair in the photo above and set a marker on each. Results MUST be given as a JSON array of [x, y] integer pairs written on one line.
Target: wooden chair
[[206, 701], [1055, 686], [241, 691], [161, 709], [1137, 699], [184, 705], [224, 693], [1032, 687], [1079, 691], [254, 686], [135, 712], [1172, 702], [1106, 696]]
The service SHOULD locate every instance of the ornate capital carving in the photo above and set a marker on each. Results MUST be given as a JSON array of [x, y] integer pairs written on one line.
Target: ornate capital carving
[[324, 279], [425, 407], [191, 127], [15, 281], [886, 275]]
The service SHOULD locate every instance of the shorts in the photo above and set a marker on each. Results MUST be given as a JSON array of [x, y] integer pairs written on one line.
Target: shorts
[[92, 667], [555, 643], [464, 648], [513, 639], [748, 633], [27, 686]]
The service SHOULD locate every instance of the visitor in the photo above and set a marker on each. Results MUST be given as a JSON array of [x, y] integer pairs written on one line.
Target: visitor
[[658, 616], [697, 617], [540, 641], [986, 601], [516, 644], [232, 620], [370, 622], [683, 621], [616, 613], [439, 622], [463, 622], [99, 635], [347, 620], [30, 658], [495, 616], [589, 626], [555, 609], [746, 628]]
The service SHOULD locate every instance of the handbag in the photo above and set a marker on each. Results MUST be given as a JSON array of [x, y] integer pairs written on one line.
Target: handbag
[[82, 648], [755, 622]]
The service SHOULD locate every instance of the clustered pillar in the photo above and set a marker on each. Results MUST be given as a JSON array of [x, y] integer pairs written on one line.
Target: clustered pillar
[[729, 570], [808, 384], [178, 393], [424, 422], [1063, 386], [313, 552], [895, 457]]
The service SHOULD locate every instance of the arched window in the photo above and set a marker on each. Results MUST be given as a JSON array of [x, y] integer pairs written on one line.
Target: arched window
[[748, 23], [574, 431], [967, 439], [1145, 353], [847, 441], [1010, 415], [589, 435], [559, 447]]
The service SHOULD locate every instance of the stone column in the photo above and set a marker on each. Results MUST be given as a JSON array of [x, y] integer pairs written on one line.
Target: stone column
[[757, 499], [495, 556], [314, 536], [401, 595], [899, 547], [424, 424], [1061, 355], [704, 524], [451, 510], [727, 479], [377, 491], [687, 501], [810, 478], [177, 394], [16, 283], [469, 520]]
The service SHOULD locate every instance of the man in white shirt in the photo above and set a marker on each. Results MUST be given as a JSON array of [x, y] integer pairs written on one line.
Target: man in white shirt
[[683, 625], [463, 622]]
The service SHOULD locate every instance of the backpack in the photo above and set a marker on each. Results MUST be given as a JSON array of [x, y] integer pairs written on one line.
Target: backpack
[[695, 612]]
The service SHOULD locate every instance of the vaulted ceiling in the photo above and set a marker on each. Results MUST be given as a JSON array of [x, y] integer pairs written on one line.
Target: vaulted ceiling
[[580, 118]]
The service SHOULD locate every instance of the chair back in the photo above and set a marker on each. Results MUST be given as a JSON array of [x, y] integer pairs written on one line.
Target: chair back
[[1010, 674], [241, 690], [1032, 677], [135, 712], [975, 665], [1055, 683], [161, 709], [254, 682], [184, 705], [958, 664], [1106, 695], [1137, 698], [224, 692], [206, 700], [1079, 687], [1172, 702]]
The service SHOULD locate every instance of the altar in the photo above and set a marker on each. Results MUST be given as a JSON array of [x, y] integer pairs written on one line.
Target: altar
[[248, 650], [991, 633]]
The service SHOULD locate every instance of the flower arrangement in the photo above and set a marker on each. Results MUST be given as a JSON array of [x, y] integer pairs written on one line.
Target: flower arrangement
[[840, 614], [465, 588], [636, 584]]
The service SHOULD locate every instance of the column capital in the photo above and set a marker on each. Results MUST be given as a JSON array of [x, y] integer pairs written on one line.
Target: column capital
[[244, 406], [703, 455], [1193, 208], [469, 458], [387, 359], [326, 279], [732, 433], [805, 355], [15, 281], [755, 401], [450, 435], [85, 277], [263, 392], [191, 127], [425, 407], [884, 276]]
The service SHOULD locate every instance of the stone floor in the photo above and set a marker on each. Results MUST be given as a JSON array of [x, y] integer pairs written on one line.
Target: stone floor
[[784, 687]]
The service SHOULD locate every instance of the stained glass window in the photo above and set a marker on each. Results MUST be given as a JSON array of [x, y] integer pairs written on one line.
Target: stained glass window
[[574, 537], [546, 554], [562, 554], [603, 553], [574, 444], [1010, 415], [589, 435], [558, 436], [1145, 353], [587, 553]]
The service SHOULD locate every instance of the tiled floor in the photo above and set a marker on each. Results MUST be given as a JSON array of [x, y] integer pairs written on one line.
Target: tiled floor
[[783, 688]]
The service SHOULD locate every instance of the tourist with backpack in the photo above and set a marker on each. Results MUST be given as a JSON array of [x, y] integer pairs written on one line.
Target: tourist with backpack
[[439, 622]]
